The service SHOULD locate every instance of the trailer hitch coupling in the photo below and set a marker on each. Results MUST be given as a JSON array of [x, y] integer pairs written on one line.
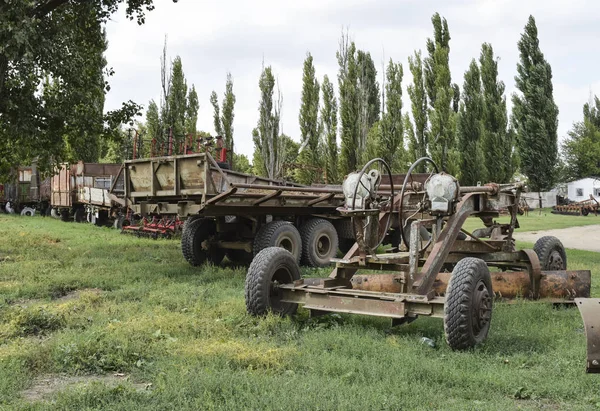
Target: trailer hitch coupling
[[590, 312]]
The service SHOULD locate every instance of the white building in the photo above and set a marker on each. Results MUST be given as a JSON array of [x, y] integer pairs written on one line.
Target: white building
[[581, 189]]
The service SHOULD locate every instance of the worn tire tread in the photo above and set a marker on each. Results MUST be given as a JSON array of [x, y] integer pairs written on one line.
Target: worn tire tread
[[308, 257], [544, 246]]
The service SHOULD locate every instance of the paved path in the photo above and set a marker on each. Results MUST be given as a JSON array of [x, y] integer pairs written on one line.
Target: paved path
[[582, 238]]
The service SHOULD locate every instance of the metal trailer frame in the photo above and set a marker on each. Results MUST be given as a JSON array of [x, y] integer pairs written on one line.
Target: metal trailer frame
[[417, 284], [27, 193]]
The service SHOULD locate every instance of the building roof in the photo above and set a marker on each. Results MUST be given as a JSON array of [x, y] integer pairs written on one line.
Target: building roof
[[585, 178]]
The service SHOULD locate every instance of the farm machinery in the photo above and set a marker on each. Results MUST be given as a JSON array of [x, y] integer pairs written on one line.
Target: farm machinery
[[221, 212], [583, 208], [432, 267]]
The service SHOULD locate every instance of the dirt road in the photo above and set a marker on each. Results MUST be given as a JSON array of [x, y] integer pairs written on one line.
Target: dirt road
[[581, 238]]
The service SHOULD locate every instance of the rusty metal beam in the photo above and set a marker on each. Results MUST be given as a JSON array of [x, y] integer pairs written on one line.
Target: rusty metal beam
[[555, 285], [266, 198], [221, 196]]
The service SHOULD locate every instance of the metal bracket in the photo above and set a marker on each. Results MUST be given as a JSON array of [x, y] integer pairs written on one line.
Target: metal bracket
[[590, 312]]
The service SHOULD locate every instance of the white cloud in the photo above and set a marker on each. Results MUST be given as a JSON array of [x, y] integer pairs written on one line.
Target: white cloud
[[213, 38]]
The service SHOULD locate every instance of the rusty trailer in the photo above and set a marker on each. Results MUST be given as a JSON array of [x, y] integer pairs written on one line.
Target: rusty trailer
[[234, 214], [26, 194], [81, 192], [432, 267], [582, 208]]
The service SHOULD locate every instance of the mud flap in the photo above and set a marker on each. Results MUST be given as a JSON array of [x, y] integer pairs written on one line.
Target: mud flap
[[590, 312]]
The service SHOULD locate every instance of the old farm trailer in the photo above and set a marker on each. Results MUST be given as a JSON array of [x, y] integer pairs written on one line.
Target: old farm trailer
[[435, 267], [234, 214], [81, 192], [26, 193]]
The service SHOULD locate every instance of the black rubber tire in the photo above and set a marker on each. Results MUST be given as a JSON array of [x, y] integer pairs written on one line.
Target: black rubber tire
[[64, 215], [585, 212], [551, 253], [345, 244], [185, 239], [279, 234], [191, 243], [54, 213], [269, 265], [469, 291], [79, 216], [319, 242], [344, 228], [239, 257]]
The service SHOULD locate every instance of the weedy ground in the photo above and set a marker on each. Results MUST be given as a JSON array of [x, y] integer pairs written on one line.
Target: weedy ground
[[92, 319]]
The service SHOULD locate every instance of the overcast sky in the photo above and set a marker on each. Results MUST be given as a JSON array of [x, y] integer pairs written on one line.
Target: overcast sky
[[216, 37]]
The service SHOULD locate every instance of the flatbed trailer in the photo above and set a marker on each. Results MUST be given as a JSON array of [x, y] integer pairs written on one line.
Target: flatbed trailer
[[234, 214]]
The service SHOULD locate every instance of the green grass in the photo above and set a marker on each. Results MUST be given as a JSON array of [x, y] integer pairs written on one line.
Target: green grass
[[536, 221], [143, 311]]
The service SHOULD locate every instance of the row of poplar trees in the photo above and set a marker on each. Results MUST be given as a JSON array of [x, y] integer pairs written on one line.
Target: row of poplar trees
[[467, 131]]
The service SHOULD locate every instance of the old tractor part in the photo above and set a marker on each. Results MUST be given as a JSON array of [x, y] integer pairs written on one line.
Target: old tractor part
[[590, 312], [319, 242], [165, 227], [279, 234], [445, 271], [582, 208]]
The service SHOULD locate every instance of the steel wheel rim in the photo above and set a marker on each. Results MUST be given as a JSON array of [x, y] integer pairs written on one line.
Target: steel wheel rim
[[323, 246], [481, 309], [555, 261]]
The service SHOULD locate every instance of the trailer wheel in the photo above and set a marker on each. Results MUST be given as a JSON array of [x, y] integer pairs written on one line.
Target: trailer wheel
[[270, 267], [64, 215], [54, 213], [468, 307], [9, 208], [28, 212], [585, 212], [120, 222], [319, 242], [279, 234], [551, 253], [79, 215], [239, 257], [194, 243]]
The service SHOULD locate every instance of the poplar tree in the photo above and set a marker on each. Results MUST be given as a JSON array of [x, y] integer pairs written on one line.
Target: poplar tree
[[223, 117], [177, 99], [191, 112], [349, 108], [441, 94], [418, 98], [470, 129], [497, 146], [391, 147], [329, 123], [368, 95], [269, 145], [535, 115], [309, 124]]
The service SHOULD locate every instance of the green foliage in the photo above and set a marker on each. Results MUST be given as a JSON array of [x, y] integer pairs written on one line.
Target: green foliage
[[349, 105], [191, 111], [269, 146], [581, 151], [153, 124], [535, 115], [328, 127], [418, 139], [53, 80], [242, 164], [391, 146], [497, 143], [441, 95], [223, 119], [309, 162], [368, 95], [177, 100], [470, 129]]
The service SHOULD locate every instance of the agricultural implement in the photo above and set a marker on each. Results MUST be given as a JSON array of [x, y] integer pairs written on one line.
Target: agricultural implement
[[433, 267], [26, 194], [233, 214], [580, 208]]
